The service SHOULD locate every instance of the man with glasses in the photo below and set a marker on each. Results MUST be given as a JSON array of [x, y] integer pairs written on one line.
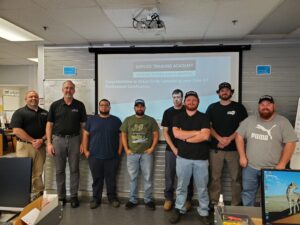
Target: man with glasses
[[66, 119]]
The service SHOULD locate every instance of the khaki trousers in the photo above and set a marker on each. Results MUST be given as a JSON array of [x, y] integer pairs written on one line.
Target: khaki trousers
[[38, 159], [217, 160]]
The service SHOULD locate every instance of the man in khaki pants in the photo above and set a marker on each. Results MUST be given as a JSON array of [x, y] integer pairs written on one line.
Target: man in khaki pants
[[29, 125]]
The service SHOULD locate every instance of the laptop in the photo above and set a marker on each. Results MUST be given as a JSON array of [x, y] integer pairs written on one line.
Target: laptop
[[280, 193]]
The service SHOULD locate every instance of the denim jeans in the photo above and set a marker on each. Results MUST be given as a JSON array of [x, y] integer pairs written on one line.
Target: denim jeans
[[134, 163], [170, 173], [251, 182], [185, 168]]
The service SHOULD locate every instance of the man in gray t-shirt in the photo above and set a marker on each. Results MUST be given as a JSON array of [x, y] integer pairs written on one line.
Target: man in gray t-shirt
[[270, 142]]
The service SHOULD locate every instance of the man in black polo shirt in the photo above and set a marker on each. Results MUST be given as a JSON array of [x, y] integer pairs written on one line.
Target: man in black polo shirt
[[29, 124], [66, 119], [192, 129]]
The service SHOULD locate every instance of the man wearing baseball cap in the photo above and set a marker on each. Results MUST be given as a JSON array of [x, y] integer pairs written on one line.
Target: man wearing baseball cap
[[270, 142], [225, 117], [139, 138], [192, 129]]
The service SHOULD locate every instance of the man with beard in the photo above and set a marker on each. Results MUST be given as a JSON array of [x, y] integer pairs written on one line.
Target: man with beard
[[270, 142], [29, 124], [139, 138], [192, 129], [225, 117], [172, 151], [66, 119], [102, 145]]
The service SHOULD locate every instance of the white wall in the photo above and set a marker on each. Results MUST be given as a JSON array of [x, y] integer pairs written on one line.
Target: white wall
[[19, 76]]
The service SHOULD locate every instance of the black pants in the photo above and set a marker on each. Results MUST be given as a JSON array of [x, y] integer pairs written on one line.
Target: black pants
[[104, 169]]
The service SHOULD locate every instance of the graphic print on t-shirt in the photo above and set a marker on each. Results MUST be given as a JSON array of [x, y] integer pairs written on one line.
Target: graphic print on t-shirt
[[263, 137], [138, 135]]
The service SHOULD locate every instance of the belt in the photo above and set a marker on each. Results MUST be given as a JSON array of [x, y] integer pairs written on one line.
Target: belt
[[66, 136], [20, 140]]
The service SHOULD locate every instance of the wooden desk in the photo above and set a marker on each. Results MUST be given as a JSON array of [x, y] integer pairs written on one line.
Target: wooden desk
[[11, 137]]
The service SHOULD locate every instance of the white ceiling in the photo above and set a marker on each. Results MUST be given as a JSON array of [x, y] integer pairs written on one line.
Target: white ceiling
[[99, 22]]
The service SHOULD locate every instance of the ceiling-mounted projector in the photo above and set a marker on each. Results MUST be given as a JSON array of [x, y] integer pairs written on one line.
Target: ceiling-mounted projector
[[147, 19]]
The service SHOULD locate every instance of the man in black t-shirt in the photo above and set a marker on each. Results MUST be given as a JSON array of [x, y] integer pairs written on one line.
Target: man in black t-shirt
[[192, 130], [66, 119], [172, 151], [29, 125], [225, 117]]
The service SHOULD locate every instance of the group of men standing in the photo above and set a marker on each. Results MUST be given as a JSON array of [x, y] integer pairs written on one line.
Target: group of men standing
[[198, 145]]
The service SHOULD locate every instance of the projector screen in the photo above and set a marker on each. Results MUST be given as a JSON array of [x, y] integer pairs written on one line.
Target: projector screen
[[122, 78]]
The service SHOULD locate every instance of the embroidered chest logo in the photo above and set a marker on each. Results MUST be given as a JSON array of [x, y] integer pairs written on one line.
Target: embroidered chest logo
[[74, 110], [263, 137], [232, 113]]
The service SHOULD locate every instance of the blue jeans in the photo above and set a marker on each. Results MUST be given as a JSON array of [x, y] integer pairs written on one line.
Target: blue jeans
[[170, 173], [251, 182], [134, 163], [185, 168]]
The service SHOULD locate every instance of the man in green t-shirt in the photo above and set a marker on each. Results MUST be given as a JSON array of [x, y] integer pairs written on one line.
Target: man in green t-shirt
[[139, 138]]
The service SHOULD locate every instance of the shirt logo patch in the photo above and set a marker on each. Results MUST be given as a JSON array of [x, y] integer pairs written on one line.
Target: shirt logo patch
[[44, 113], [231, 112], [74, 110], [263, 137]]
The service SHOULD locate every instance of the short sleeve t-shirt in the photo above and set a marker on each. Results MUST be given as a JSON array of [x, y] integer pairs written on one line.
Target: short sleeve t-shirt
[[139, 132], [197, 151], [103, 136], [167, 121], [225, 119], [265, 139]]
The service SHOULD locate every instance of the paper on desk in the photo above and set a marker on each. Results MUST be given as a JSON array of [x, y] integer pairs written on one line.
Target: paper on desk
[[31, 217]]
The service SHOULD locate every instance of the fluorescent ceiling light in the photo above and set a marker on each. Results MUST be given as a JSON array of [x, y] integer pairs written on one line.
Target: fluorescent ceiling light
[[12, 32], [33, 59]]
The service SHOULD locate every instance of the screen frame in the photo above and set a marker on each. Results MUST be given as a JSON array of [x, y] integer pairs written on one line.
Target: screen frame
[[23, 168], [263, 205], [171, 49]]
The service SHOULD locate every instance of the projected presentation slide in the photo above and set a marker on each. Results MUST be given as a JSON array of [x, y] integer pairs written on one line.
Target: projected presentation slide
[[152, 77]]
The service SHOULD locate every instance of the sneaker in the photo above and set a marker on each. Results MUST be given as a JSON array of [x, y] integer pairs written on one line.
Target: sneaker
[[168, 205], [175, 217], [205, 220], [74, 202], [130, 205], [115, 203], [188, 205], [150, 205], [94, 204]]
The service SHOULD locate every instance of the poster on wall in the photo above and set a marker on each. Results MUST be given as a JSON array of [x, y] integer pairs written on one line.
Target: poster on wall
[[295, 161]]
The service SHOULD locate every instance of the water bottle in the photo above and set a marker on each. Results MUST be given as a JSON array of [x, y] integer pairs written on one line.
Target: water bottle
[[221, 203]]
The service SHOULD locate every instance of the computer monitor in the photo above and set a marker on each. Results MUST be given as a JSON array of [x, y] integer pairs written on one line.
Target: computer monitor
[[15, 185], [280, 197]]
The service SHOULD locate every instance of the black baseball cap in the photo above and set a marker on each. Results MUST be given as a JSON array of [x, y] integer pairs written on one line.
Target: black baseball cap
[[191, 93], [266, 98], [225, 85], [139, 102]]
